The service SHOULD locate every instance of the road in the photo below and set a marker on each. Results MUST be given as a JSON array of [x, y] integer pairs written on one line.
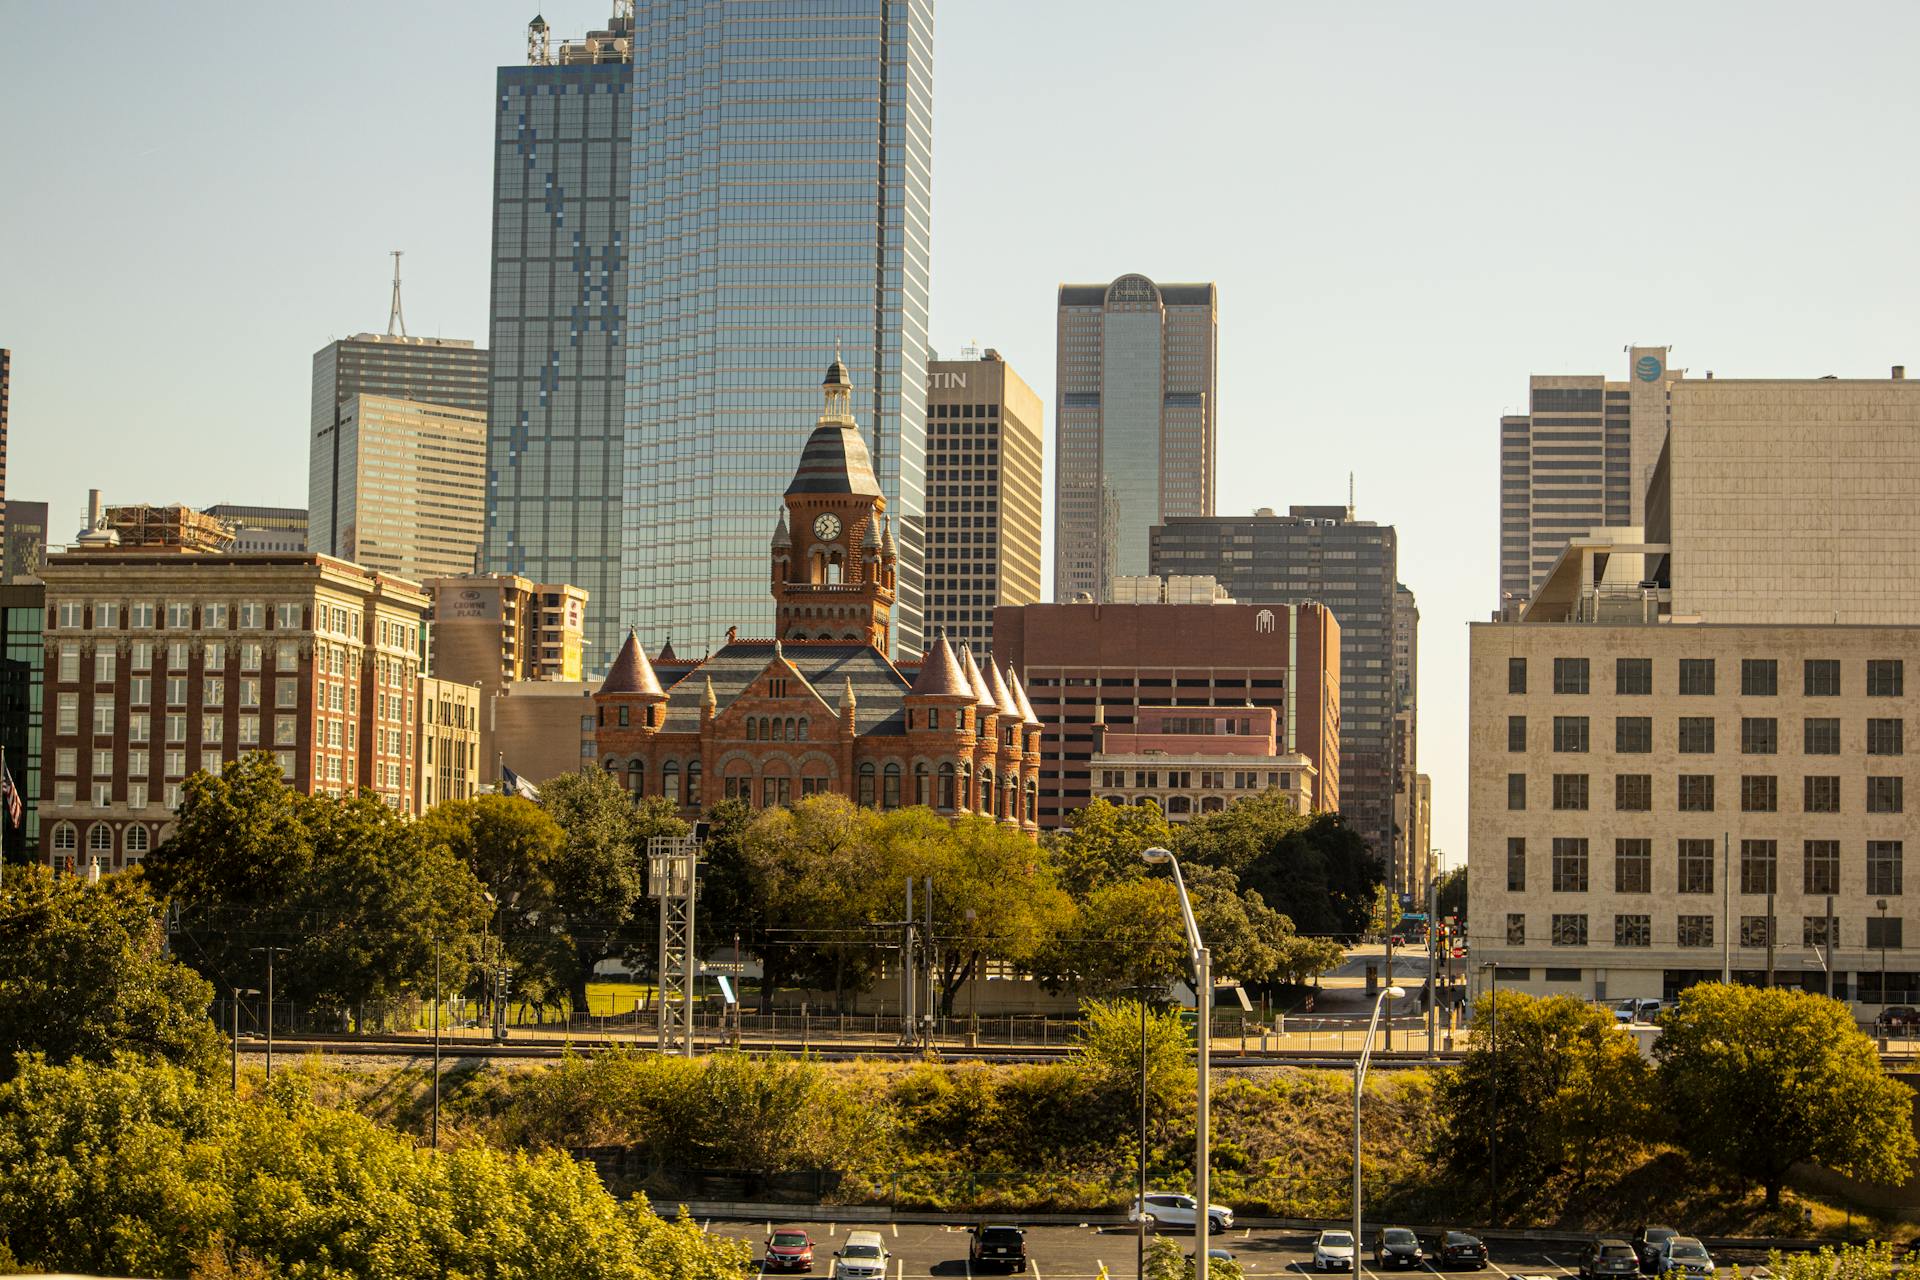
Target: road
[[1079, 1253]]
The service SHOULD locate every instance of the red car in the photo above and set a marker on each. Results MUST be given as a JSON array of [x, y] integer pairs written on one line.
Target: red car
[[789, 1249]]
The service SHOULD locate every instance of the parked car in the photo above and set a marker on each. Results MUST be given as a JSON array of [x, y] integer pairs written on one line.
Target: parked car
[[1333, 1251], [1637, 1009], [1609, 1258], [1457, 1248], [789, 1249], [1397, 1247], [862, 1257], [1898, 1017], [1167, 1208], [1647, 1242], [1686, 1255], [999, 1246]]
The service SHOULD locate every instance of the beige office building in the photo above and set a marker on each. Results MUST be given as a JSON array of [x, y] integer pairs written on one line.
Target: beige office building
[[982, 495], [1136, 424], [1688, 753], [449, 764], [497, 631], [400, 486]]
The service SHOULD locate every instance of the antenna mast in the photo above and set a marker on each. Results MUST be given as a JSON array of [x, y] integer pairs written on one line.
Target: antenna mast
[[396, 323], [1349, 474]]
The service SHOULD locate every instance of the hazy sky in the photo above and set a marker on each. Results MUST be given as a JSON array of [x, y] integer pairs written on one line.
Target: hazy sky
[[1408, 209]]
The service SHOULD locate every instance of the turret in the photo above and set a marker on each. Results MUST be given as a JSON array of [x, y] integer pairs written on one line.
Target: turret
[[631, 696]]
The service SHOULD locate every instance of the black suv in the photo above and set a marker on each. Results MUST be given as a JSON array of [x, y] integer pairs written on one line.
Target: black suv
[[1609, 1258], [1396, 1247], [1457, 1248], [1006, 1246], [1647, 1242]]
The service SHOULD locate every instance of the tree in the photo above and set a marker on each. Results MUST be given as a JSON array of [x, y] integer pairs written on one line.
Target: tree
[[1764, 1079], [818, 874], [1127, 936], [1108, 1052], [1450, 894], [1101, 844], [1315, 870], [1250, 941], [512, 846], [1557, 1088], [84, 974]]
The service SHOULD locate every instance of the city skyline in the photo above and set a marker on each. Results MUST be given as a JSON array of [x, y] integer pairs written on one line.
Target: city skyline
[[1440, 312]]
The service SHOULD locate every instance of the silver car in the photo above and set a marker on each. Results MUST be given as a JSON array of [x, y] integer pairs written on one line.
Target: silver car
[[1687, 1255]]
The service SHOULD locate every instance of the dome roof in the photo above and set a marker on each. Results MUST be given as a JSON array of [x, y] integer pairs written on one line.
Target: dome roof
[[836, 375], [836, 461]]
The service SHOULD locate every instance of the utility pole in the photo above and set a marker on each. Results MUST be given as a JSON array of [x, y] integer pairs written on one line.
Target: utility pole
[[907, 986], [1830, 940], [236, 1039], [1433, 962], [673, 877], [1726, 907], [930, 961], [269, 951], [436, 1042], [1772, 874], [1389, 1021]]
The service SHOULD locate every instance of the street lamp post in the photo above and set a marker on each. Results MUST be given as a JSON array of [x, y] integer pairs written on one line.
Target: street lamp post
[[1203, 1019], [1884, 1002], [1359, 1081]]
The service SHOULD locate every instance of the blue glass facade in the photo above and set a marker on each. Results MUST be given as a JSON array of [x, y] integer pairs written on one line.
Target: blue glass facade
[[561, 231], [780, 189]]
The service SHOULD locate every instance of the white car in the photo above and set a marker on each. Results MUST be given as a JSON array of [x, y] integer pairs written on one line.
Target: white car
[[862, 1257], [1333, 1251], [1167, 1208]]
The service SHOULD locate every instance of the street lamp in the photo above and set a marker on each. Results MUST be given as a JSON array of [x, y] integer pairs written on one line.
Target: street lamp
[[1203, 1019], [1884, 1002], [1360, 1079]]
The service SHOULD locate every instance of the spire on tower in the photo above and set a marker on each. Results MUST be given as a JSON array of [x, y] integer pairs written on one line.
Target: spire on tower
[[396, 323]]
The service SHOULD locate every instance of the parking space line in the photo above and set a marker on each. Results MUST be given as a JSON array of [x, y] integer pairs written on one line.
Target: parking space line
[[896, 1229], [1034, 1266], [1502, 1270]]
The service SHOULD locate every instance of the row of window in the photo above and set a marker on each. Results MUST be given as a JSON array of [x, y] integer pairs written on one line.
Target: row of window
[[145, 615], [141, 653], [1696, 735], [1633, 929], [1696, 858], [1695, 793], [1210, 779], [1759, 677]]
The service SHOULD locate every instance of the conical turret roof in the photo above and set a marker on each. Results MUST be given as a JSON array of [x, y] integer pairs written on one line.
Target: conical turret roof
[[631, 672], [940, 674], [781, 538], [981, 694], [1020, 697], [1002, 699]]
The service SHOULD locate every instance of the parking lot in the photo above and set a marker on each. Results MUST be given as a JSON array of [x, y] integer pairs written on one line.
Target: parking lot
[[1083, 1252]]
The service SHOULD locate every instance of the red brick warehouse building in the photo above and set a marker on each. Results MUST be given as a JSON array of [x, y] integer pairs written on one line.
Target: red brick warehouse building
[[819, 707], [1123, 658]]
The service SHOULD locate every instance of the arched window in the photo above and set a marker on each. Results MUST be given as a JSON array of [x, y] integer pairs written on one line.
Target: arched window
[[611, 765], [1179, 804], [803, 728], [65, 838], [865, 795], [1033, 802], [1119, 800], [986, 791], [693, 783], [922, 794], [779, 729], [137, 838], [946, 788], [100, 838], [670, 781], [787, 730], [637, 777], [753, 729], [1212, 804], [890, 786]]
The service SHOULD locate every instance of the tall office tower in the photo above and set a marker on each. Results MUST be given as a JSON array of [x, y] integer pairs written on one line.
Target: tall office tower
[[1321, 554], [1580, 457], [400, 486], [782, 177], [263, 528], [1135, 424], [24, 545], [1404, 873], [983, 495], [563, 131]]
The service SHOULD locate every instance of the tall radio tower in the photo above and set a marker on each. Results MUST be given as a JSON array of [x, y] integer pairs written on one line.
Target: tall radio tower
[[396, 323]]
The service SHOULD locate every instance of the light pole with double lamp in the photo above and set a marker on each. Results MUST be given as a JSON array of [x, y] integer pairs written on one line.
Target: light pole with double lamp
[[1359, 1080], [1203, 1034]]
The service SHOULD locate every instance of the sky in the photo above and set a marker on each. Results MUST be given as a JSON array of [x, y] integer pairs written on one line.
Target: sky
[[1408, 209]]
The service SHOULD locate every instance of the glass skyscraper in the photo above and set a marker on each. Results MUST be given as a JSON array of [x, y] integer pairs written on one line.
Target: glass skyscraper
[[780, 187]]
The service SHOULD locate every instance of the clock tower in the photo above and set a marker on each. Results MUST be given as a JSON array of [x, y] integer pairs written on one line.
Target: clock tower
[[832, 552]]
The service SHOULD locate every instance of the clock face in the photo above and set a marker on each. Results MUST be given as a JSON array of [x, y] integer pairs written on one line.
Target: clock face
[[827, 526]]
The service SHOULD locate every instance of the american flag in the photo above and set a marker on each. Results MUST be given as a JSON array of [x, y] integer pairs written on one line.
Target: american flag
[[11, 794]]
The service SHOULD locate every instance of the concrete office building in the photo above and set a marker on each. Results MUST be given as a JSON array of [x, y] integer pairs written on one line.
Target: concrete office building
[[263, 528], [449, 765], [400, 486], [983, 496], [1693, 736], [1135, 424], [1110, 662], [1191, 762], [23, 607], [1324, 555], [1580, 457], [24, 544], [497, 632]]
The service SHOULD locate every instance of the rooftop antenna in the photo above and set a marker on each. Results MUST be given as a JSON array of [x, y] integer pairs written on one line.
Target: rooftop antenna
[[1349, 474], [396, 321], [539, 51]]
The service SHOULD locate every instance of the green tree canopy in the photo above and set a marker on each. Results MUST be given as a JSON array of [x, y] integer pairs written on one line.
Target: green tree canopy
[[1109, 1051], [819, 875], [1764, 1079], [1316, 871], [84, 974], [1101, 843], [1125, 937]]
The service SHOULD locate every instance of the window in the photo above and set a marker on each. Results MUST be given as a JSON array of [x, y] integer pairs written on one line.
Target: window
[[177, 655], [1759, 866], [249, 731], [103, 665], [1759, 677], [1696, 866], [1516, 929], [1516, 733], [1823, 677], [1694, 931], [72, 614], [106, 615], [1755, 931], [69, 665], [252, 614], [1633, 675], [868, 788], [1633, 735], [139, 691], [1696, 793], [286, 617], [68, 720], [214, 691], [102, 761], [1822, 794], [1633, 931], [137, 840], [1569, 733], [141, 658], [1884, 858], [286, 656], [176, 728], [66, 762], [285, 731], [1569, 675], [1885, 677], [1759, 736], [103, 716], [1886, 737], [1759, 794], [179, 616], [1814, 931], [1516, 675], [211, 729], [1820, 867], [946, 787], [1569, 790], [1696, 676], [890, 786], [1569, 864], [922, 785], [213, 616], [140, 615], [1516, 787], [65, 837], [1696, 735], [1633, 866], [1822, 737], [1885, 795], [250, 656], [1569, 930], [1883, 932], [1516, 864], [1633, 792]]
